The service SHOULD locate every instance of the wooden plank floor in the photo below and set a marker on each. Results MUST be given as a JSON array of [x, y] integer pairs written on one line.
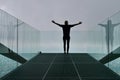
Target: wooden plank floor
[[62, 67]]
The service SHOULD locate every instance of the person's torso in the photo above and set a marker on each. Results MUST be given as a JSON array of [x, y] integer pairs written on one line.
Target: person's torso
[[66, 31]]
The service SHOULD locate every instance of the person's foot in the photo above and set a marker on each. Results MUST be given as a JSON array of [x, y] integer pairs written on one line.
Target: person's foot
[[67, 52]]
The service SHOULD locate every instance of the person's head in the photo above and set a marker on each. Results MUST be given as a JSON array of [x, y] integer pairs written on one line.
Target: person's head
[[66, 22]]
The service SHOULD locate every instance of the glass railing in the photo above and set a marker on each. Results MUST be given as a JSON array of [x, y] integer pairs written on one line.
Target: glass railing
[[18, 37], [115, 64], [81, 42], [111, 28]]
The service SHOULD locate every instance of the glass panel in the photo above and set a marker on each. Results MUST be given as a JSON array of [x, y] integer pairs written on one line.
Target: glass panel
[[8, 30], [81, 41], [16, 36], [28, 39], [115, 64], [7, 40], [112, 30]]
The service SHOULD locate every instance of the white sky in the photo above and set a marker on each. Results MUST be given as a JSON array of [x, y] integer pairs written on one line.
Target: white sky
[[39, 13]]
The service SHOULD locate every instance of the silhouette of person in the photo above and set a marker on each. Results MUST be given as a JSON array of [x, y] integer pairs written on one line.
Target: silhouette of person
[[109, 28], [66, 33]]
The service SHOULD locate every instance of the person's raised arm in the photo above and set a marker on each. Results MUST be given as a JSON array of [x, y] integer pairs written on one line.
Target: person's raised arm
[[56, 23], [76, 24], [103, 25]]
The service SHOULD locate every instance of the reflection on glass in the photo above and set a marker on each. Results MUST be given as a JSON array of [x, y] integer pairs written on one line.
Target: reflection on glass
[[109, 29], [112, 29]]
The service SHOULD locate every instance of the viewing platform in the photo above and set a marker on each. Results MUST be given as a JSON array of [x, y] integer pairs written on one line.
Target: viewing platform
[[48, 66]]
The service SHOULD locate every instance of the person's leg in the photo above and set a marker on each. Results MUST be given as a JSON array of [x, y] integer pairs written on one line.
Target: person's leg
[[111, 43], [68, 42], [64, 44], [107, 44]]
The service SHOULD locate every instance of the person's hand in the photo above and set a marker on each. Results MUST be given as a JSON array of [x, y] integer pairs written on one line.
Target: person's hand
[[53, 21], [80, 22]]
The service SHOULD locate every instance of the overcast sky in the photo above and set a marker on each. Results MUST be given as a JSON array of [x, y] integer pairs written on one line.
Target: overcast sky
[[39, 13]]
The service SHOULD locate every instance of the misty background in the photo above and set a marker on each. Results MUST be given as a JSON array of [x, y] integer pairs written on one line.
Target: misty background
[[87, 37], [39, 13]]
